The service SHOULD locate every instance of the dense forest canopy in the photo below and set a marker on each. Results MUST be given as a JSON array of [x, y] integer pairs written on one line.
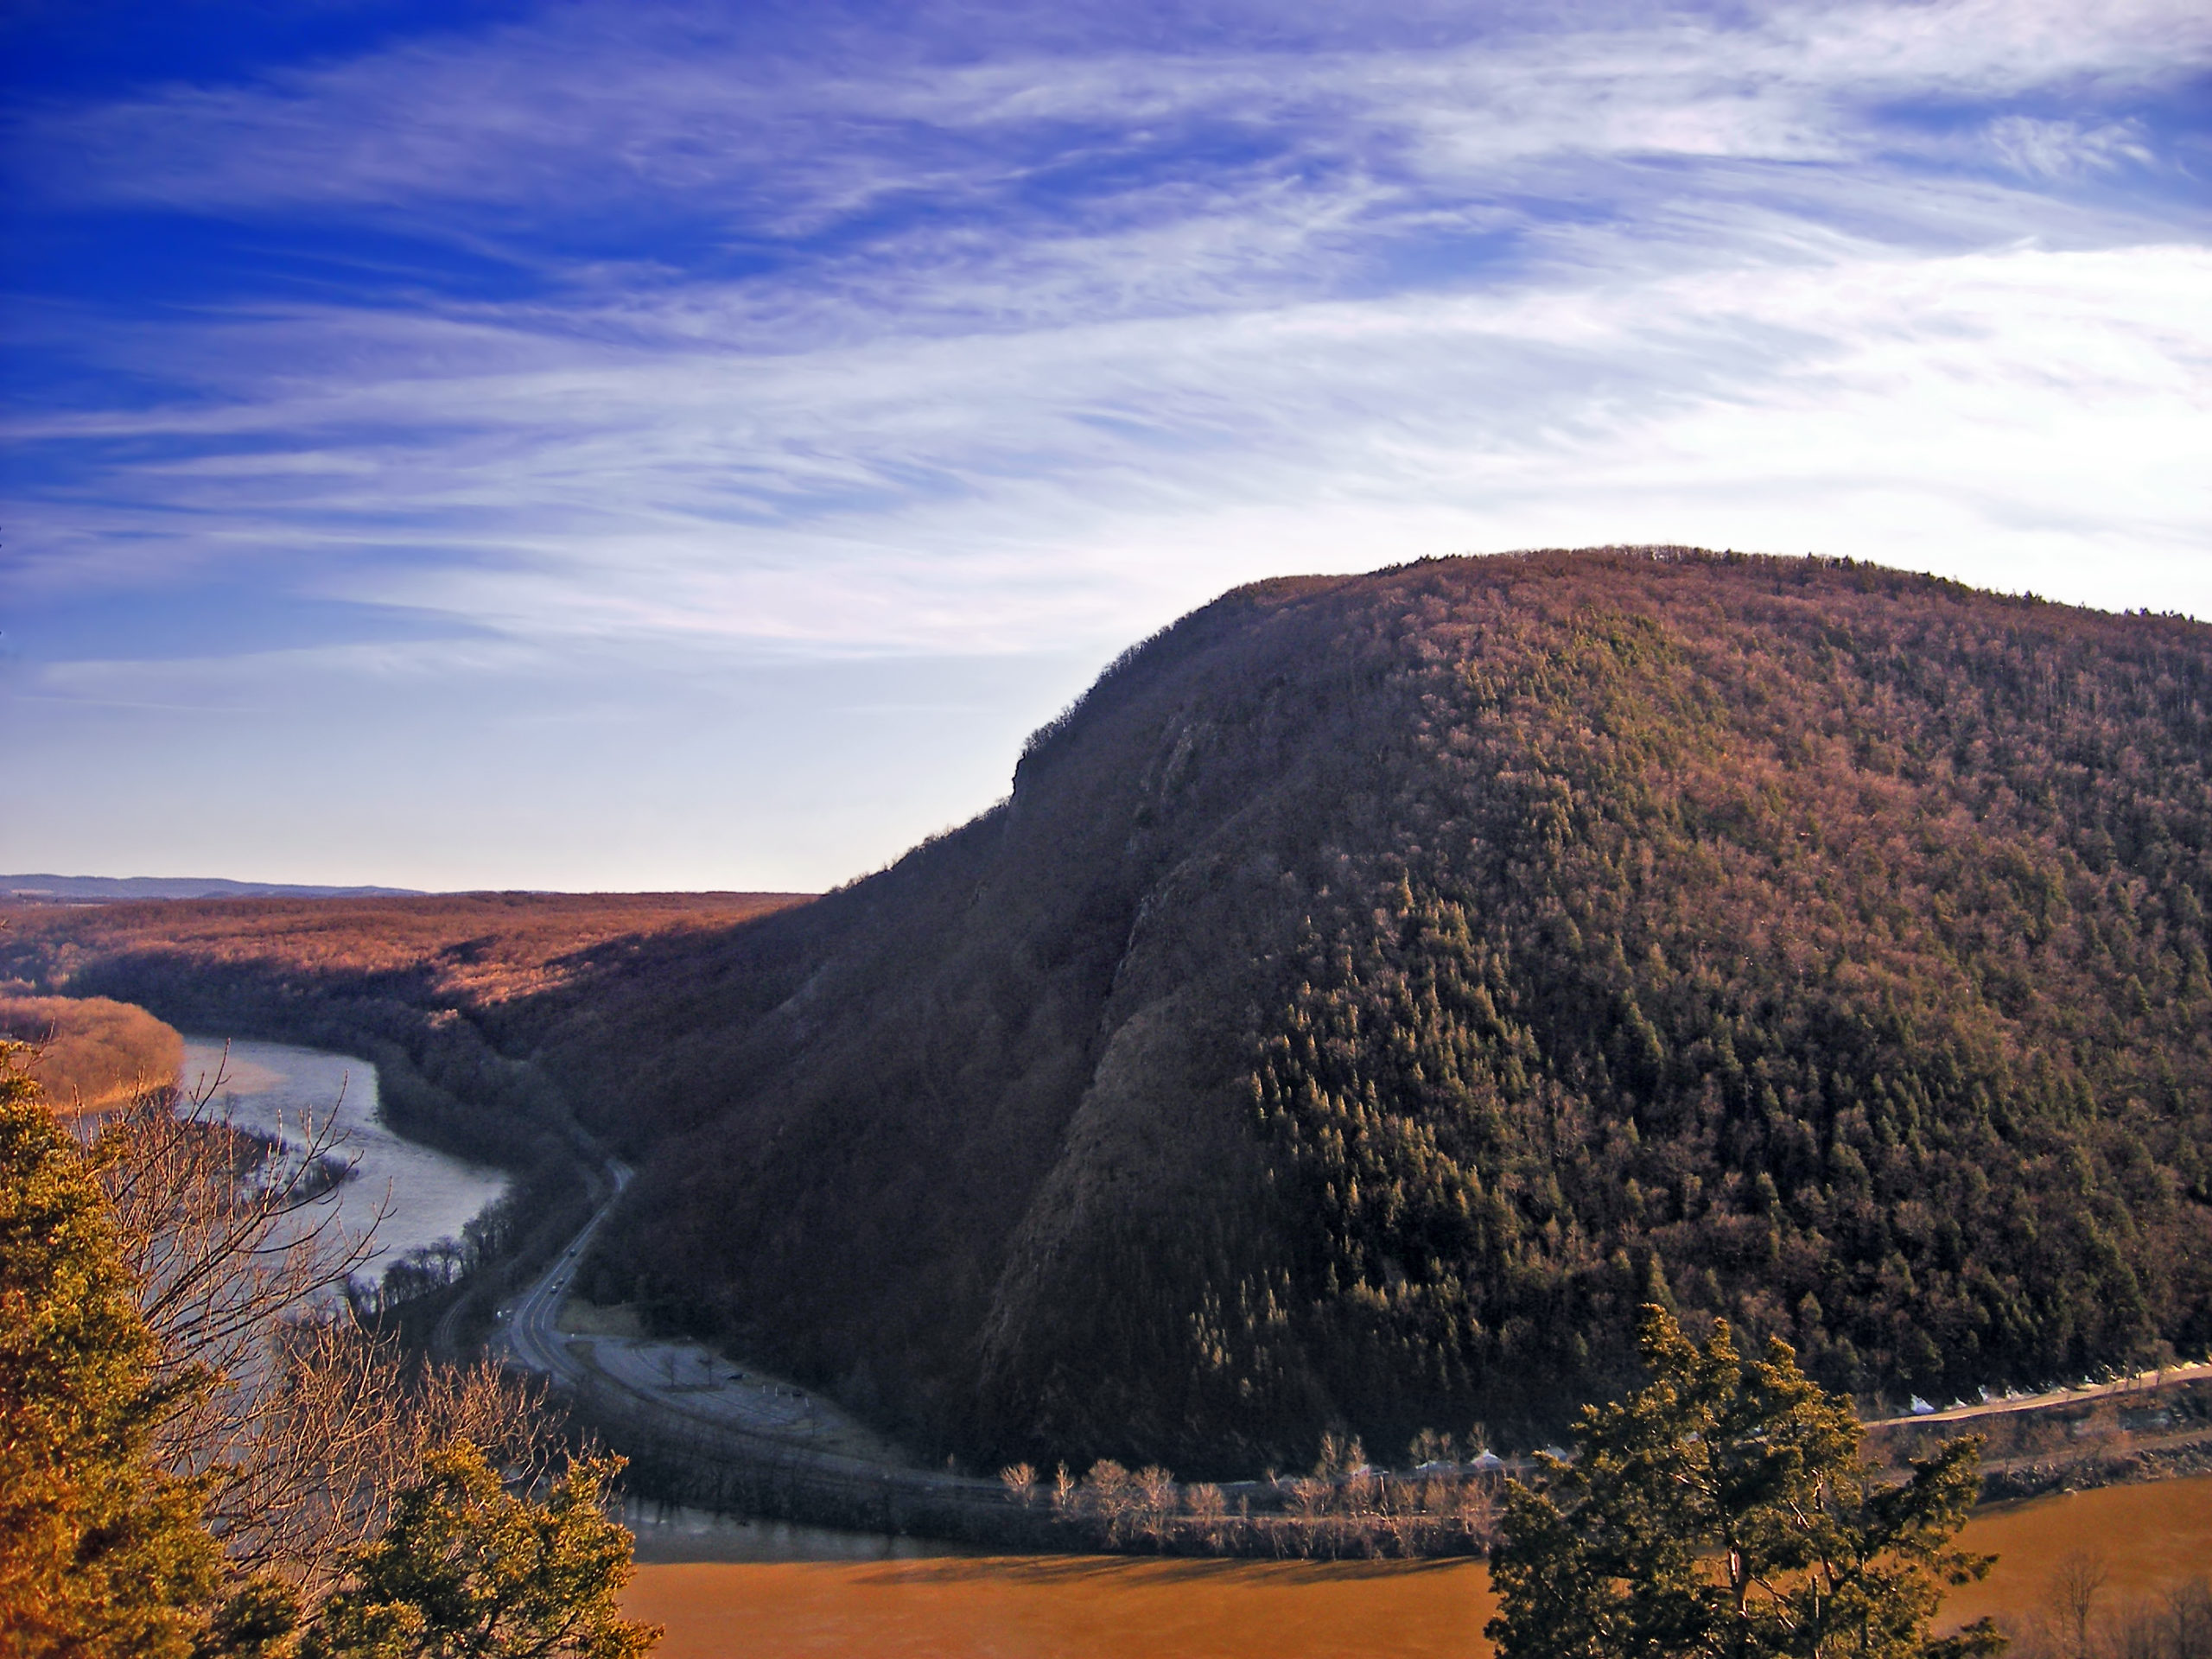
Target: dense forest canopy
[[1376, 989]]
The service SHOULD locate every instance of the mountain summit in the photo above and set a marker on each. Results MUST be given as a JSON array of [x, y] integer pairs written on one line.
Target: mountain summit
[[1375, 988]]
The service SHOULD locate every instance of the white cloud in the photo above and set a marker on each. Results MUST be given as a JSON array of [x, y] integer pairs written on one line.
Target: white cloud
[[593, 105], [2059, 149], [982, 494], [1547, 285]]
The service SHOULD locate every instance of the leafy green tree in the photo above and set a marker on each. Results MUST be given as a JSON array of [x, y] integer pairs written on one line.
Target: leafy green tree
[[100, 1551], [1723, 1511], [467, 1570]]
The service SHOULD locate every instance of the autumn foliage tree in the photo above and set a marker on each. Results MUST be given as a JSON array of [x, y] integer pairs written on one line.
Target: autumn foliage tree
[[1723, 1511], [101, 1550]]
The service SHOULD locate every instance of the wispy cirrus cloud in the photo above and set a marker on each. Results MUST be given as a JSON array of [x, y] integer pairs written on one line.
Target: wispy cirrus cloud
[[901, 493], [1003, 330], [2060, 149]]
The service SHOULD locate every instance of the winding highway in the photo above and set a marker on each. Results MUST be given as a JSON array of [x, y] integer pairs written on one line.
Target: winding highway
[[724, 1412], [529, 1332]]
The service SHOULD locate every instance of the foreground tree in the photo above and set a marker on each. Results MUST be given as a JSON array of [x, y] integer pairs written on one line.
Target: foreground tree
[[301, 1430], [467, 1570], [101, 1550], [189, 1457], [1723, 1511]]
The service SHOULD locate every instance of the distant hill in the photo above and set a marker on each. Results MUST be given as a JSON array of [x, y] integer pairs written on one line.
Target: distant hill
[[425, 986], [111, 888], [1376, 987]]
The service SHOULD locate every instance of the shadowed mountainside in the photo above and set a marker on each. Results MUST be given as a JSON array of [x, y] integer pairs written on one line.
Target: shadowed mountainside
[[1374, 988]]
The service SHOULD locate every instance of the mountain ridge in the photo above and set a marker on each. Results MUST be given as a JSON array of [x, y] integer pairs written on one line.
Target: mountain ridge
[[119, 888], [1376, 986], [1369, 993]]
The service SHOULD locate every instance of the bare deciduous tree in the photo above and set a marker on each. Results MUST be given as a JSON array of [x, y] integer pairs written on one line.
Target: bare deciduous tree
[[1477, 1508], [1207, 1507], [227, 1234], [1157, 1501], [304, 1427], [1109, 1492], [2176, 1626], [348, 1424], [2076, 1583], [2189, 1621]]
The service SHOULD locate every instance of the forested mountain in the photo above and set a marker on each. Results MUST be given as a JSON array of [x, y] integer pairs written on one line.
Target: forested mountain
[[1372, 991], [1374, 988]]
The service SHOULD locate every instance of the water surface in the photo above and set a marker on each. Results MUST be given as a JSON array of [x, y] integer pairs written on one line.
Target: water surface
[[274, 1088], [673, 1532]]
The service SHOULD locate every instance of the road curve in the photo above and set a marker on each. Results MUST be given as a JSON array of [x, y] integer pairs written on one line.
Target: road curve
[[854, 1485], [527, 1332], [2134, 1383], [528, 1337]]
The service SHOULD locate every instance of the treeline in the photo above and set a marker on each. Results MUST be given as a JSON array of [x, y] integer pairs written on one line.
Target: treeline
[[1346, 1510], [420, 987]]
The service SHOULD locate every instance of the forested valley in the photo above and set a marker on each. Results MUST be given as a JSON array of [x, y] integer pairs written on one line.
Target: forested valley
[[1376, 989]]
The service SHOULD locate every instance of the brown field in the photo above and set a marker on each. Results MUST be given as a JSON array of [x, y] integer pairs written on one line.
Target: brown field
[[92, 1051], [1094, 1607], [2150, 1537], [1067, 1607]]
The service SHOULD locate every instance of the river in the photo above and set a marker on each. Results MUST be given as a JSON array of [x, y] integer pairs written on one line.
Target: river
[[273, 1088], [953, 1606]]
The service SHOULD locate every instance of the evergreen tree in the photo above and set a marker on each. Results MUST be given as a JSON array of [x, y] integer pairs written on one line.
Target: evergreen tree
[[467, 1570], [1723, 1511], [100, 1552]]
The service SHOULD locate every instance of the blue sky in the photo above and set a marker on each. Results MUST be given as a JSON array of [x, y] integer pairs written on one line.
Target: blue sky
[[618, 445]]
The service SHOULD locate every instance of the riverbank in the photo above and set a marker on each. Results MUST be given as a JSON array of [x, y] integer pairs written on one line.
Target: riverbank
[[702, 1431], [2154, 1426], [411, 1195], [2154, 1536]]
